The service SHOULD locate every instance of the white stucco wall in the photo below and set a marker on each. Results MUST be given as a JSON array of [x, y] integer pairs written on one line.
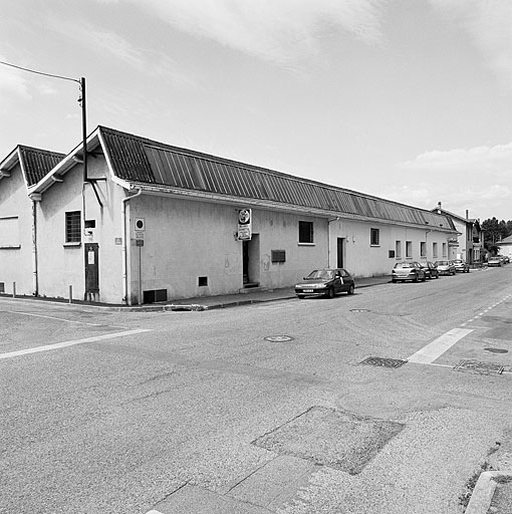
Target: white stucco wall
[[364, 260], [185, 240], [62, 265], [16, 237]]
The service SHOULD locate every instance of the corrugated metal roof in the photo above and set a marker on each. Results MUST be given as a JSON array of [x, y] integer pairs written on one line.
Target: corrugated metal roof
[[37, 163], [141, 160]]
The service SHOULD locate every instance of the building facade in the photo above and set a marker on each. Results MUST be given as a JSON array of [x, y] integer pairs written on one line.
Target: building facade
[[149, 222], [469, 243]]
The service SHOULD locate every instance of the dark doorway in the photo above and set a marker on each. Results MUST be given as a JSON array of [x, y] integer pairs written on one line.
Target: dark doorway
[[245, 261], [251, 261], [340, 252], [92, 283]]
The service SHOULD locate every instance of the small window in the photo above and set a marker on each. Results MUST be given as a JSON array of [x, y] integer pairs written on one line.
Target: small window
[[202, 281], [278, 256], [423, 249], [391, 254], [408, 249], [9, 232], [73, 227], [305, 232], [374, 237]]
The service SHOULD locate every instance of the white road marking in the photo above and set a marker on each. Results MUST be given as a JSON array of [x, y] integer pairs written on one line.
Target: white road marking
[[65, 344], [58, 319], [436, 348]]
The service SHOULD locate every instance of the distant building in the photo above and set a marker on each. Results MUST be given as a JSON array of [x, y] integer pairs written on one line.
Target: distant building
[[468, 245], [156, 222], [505, 246]]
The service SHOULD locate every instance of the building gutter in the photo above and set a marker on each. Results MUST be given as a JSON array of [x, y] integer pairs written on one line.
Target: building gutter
[[174, 192], [126, 238]]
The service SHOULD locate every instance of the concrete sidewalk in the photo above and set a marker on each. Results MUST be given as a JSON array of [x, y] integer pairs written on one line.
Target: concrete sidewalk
[[248, 296]]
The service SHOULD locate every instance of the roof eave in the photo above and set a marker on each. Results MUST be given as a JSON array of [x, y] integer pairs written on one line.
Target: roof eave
[[169, 191]]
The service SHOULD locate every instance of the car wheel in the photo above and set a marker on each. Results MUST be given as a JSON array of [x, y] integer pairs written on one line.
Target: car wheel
[[300, 296], [423, 279], [330, 293], [394, 281], [351, 289], [416, 279]]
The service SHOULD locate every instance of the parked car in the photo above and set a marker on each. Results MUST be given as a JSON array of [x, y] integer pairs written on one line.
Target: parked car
[[494, 261], [326, 282], [461, 266], [430, 270], [410, 270], [445, 267]]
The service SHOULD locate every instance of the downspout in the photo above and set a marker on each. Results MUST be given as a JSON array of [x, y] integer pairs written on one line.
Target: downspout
[[35, 272], [126, 239], [329, 240]]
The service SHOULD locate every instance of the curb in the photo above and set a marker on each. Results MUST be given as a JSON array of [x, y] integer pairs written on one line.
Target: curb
[[484, 491]]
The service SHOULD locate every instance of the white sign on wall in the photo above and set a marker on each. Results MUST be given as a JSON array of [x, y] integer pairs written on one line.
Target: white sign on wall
[[245, 224]]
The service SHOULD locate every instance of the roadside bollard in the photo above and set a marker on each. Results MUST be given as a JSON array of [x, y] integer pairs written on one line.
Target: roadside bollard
[[14, 289], [70, 294]]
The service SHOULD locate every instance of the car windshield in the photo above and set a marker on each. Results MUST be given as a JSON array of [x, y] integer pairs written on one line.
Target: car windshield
[[442, 263], [323, 274], [403, 265]]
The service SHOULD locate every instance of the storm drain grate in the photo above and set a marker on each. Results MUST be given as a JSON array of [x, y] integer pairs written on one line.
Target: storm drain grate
[[383, 362], [481, 368], [496, 350]]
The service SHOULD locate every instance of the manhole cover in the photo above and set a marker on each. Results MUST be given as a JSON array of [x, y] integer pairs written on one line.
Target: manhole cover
[[279, 339], [359, 310], [383, 362], [329, 437], [481, 368], [496, 350]]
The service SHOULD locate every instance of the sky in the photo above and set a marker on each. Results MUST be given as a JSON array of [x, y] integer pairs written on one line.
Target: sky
[[408, 100]]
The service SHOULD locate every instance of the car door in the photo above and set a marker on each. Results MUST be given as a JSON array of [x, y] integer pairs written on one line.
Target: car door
[[344, 278], [338, 281]]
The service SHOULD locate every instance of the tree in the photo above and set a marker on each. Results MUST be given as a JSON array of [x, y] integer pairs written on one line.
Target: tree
[[495, 231]]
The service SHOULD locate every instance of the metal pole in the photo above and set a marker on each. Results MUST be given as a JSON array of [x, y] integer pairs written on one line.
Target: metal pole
[[84, 126]]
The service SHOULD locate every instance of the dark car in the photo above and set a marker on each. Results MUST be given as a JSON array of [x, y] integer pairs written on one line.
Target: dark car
[[445, 267], [410, 270], [430, 269], [461, 266], [326, 282]]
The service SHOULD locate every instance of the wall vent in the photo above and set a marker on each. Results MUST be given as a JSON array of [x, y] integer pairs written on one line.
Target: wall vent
[[154, 295]]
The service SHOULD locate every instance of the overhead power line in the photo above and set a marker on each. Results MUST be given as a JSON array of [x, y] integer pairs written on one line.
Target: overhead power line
[[40, 72]]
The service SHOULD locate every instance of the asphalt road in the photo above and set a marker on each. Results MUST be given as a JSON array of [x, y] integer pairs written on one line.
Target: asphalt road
[[266, 408]]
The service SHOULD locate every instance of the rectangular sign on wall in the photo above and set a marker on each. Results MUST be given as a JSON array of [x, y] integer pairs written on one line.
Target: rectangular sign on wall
[[245, 224]]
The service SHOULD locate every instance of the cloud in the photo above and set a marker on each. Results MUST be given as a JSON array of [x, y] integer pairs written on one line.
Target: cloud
[[478, 179], [481, 159], [103, 41], [13, 84], [489, 24], [275, 30]]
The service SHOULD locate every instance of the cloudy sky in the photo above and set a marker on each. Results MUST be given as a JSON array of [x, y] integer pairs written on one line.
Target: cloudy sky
[[409, 100]]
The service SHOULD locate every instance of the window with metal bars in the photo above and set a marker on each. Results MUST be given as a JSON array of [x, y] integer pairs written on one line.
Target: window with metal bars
[[73, 227]]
